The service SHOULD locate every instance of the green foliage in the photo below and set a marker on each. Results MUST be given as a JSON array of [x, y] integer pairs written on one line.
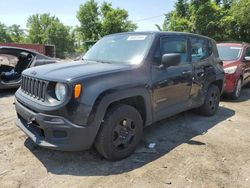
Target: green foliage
[[226, 4], [88, 16], [115, 20], [97, 21], [46, 29], [158, 27], [178, 20], [206, 18], [16, 33], [240, 20], [219, 19], [181, 7], [175, 23], [4, 35]]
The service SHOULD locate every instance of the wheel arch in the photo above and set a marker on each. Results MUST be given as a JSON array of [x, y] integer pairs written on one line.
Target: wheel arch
[[219, 84], [139, 98]]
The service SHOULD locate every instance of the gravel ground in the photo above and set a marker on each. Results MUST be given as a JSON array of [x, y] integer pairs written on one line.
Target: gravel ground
[[190, 151]]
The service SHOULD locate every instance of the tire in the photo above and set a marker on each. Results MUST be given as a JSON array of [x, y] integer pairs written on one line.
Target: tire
[[237, 90], [212, 100], [120, 133]]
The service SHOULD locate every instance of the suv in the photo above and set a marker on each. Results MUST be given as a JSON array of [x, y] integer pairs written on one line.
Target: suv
[[236, 62], [124, 83]]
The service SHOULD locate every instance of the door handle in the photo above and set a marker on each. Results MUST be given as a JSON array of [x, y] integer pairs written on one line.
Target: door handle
[[186, 72]]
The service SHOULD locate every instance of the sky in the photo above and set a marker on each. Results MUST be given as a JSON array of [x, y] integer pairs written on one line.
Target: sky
[[145, 13]]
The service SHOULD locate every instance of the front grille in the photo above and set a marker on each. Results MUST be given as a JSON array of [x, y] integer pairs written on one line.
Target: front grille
[[34, 87]]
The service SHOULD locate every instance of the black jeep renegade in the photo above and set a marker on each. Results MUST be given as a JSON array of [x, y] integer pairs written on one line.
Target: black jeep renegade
[[123, 83]]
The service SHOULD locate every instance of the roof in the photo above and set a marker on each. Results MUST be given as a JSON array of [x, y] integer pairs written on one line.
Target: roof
[[162, 33], [18, 48], [236, 44], [41, 56]]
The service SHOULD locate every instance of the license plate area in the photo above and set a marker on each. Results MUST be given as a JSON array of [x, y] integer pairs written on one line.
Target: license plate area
[[25, 113]]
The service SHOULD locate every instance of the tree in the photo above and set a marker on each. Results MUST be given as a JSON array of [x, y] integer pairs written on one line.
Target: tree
[[115, 20], [16, 33], [158, 27], [206, 17], [224, 3], [88, 16], [4, 35], [178, 19], [173, 22], [239, 19], [97, 21], [181, 7], [46, 29]]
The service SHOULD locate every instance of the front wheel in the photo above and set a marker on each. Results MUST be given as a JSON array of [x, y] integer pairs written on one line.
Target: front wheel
[[120, 133], [212, 100]]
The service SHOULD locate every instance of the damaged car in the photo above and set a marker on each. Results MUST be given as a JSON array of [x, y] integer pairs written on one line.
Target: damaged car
[[13, 61], [125, 82]]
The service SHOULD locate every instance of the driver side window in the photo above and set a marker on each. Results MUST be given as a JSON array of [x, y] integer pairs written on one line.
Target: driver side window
[[169, 45]]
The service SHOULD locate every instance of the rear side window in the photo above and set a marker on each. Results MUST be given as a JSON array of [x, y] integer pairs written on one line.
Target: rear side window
[[200, 49], [170, 45]]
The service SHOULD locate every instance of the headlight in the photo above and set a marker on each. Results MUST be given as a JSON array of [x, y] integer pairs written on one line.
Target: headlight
[[230, 70], [60, 91]]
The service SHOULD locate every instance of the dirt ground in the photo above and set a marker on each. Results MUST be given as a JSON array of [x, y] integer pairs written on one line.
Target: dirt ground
[[190, 151]]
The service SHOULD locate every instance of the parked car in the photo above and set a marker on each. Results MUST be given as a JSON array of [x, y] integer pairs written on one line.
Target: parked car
[[236, 63], [14, 60], [124, 83]]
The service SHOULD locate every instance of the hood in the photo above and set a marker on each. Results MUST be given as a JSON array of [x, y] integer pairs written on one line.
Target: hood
[[230, 63], [72, 70]]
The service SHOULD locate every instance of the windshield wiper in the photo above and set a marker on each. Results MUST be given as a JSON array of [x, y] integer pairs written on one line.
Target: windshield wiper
[[97, 61]]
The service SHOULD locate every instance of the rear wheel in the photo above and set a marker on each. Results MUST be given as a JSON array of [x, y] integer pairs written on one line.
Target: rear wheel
[[211, 104], [120, 133], [237, 90]]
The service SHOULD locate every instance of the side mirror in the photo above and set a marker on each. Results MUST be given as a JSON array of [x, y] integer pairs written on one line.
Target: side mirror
[[173, 59], [246, 59]]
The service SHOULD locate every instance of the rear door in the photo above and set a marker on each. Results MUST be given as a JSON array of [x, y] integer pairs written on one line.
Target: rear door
[[202, 61], [171, 85]]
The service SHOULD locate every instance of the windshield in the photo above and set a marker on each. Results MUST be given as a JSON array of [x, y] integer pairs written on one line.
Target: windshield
[[124, 48], [229, 53]]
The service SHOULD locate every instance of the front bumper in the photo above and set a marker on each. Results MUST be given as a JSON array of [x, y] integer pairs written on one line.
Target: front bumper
[[54, 132]]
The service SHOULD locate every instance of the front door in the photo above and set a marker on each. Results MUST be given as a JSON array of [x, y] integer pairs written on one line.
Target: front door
[[171, 85]]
